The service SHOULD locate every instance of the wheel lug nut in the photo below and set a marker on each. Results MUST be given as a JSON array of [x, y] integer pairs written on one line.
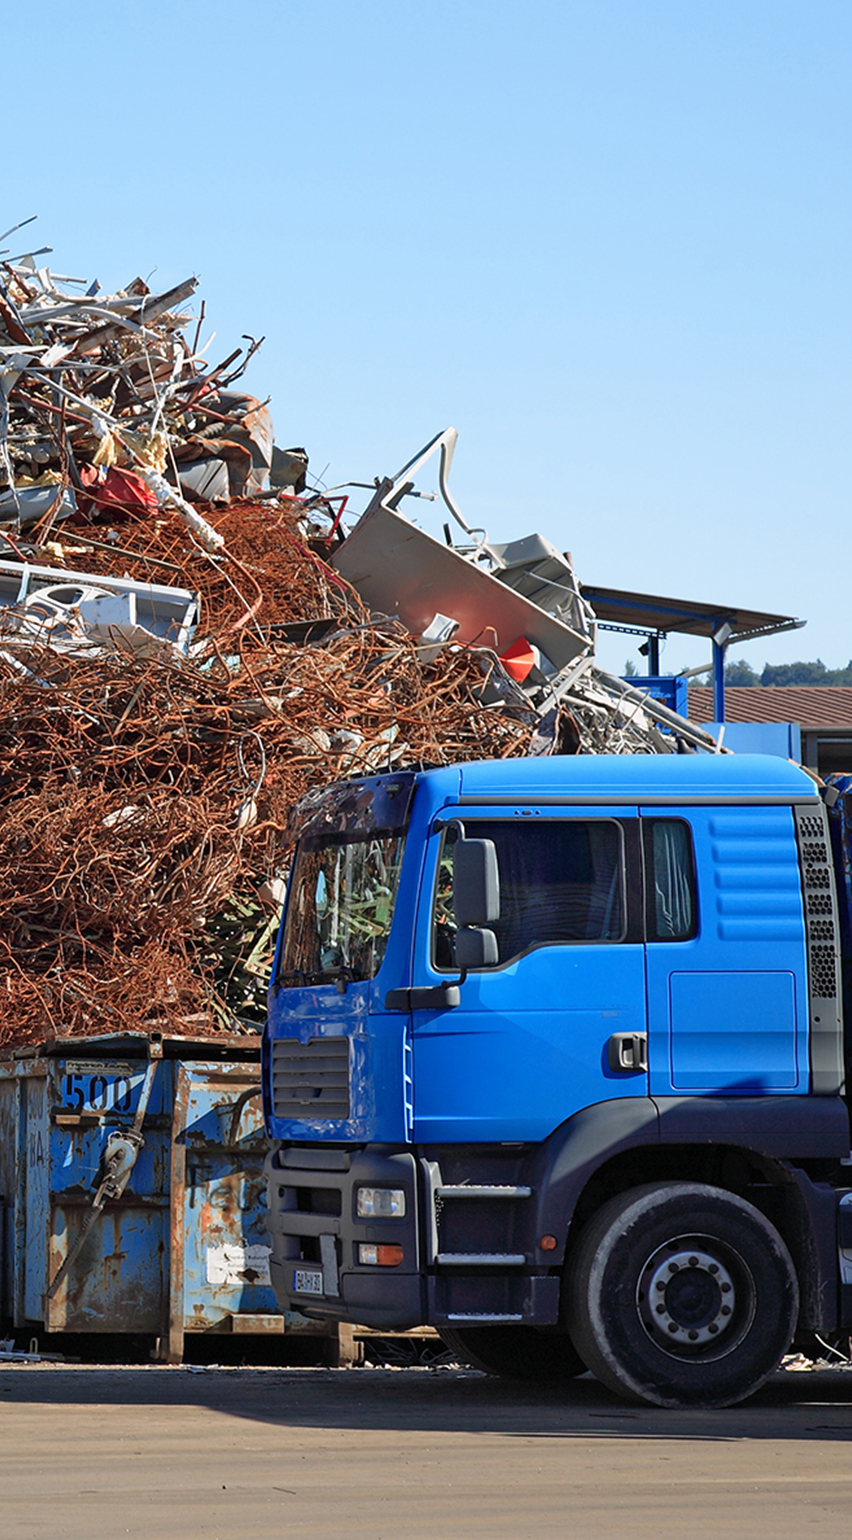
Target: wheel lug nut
[[693, 1261], [713, 1327], [726, 1288], [713, 1268], [726, 1310]]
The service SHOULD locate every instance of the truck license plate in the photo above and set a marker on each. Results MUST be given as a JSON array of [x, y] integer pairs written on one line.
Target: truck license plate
[[306, 1282]]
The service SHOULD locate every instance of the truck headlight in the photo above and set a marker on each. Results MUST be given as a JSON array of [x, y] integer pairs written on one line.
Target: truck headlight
[[380, 1202]]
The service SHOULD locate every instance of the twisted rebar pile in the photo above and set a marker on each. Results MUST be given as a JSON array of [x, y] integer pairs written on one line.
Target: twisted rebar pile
[[144, 803]]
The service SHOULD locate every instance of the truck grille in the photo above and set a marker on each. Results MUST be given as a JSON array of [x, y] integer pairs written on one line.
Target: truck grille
[[310, 1080]]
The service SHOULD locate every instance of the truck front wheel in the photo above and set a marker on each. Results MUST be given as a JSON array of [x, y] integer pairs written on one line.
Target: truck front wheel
[[681, 1295], [516, 1352]]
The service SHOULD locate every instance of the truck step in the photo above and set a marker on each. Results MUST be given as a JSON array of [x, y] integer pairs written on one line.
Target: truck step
[[494, 1191], [480, 1259], [483, 1319]]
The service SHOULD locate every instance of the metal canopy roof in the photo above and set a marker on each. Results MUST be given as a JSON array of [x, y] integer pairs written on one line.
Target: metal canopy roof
[[650, 613]]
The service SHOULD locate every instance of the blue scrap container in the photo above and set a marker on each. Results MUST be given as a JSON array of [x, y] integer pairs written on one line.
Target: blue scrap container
[[183, 1247], [669, 689]]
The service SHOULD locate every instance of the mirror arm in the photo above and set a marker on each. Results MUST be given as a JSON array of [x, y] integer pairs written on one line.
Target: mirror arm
[[449, 823]]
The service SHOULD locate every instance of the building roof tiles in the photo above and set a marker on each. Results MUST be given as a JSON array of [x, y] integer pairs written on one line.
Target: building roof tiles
[[819, 706]]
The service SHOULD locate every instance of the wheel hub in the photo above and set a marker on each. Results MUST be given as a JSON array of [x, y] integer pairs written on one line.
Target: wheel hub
[[686, 1296]]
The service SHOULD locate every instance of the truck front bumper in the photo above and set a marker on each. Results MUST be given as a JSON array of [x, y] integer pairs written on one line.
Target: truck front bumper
[[316, 1235]]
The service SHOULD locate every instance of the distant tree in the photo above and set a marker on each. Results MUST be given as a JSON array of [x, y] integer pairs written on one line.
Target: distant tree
[[805, 673], [741, 673], [630, 669]]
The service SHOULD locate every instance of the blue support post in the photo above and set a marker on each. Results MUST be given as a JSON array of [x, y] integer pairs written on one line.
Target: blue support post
[[718, 682], [653, 655]]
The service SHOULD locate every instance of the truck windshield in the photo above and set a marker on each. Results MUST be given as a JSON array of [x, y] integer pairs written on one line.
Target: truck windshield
[[340, 909]]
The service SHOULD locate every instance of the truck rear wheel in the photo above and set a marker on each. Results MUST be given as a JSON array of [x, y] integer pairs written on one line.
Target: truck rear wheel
[[516, 1352], [681, 1295]]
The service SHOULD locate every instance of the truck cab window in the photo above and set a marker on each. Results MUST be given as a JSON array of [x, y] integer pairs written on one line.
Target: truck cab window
[[561, 881], [672, 910]]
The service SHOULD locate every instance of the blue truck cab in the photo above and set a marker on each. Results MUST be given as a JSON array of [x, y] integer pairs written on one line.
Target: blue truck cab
[[555, 1062]]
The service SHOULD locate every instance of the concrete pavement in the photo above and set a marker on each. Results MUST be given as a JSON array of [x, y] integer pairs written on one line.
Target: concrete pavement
[[249, 1454]]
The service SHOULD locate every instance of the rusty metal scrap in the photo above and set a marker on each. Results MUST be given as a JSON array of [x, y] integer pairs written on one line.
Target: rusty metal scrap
[[521, 595], [144, 801], [145, 790], [106, 407]]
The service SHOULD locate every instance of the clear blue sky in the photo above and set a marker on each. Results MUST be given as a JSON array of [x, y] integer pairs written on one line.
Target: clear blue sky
[[609, 240]]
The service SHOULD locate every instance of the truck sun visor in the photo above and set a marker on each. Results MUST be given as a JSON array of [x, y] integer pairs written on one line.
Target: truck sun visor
[[379, 805]]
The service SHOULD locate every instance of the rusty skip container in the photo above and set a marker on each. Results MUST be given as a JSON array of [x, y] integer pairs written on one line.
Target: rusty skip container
[[132, 1190]]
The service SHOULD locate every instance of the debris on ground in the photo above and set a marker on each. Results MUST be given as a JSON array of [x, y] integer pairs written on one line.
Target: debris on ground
[[190, 639]]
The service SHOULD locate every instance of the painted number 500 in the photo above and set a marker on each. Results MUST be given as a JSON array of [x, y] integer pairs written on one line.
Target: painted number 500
[[98, 1092]]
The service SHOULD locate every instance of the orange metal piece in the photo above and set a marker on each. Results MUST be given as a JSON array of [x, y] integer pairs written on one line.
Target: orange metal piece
[[519, 659]]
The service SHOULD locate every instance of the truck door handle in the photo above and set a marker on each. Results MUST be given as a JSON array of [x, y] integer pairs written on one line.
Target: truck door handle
[[628, 1052], [439, 997]]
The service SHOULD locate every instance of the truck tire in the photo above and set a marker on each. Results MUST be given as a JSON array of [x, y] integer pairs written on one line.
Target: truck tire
[[681, 1295], [516, 1352]]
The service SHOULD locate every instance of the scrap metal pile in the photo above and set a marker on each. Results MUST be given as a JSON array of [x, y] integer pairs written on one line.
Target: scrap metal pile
[[186, 647]]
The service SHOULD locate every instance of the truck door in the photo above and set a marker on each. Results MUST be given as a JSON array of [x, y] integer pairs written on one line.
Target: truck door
[[558, 1023], [727, 1006]]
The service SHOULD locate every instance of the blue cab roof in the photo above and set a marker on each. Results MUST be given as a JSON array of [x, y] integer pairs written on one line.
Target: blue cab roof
[[625, 778]]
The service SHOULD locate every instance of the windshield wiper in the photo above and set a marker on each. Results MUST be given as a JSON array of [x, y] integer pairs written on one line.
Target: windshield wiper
[[286, 981], [341, 977]]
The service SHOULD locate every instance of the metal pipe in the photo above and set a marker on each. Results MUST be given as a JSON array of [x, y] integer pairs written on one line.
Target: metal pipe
[[660, 713]]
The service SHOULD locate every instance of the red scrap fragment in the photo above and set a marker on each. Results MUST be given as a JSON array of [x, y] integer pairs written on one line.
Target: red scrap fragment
[[519, 659], [117, 492]]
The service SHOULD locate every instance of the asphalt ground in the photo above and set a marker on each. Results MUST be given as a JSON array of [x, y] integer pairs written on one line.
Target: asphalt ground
[[159, 1453]]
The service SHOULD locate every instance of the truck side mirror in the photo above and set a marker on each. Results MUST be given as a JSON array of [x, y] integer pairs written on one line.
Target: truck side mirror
[[476, 883], [475, 949]]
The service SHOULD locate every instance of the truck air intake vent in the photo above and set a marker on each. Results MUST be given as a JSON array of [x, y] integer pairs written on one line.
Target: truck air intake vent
[[811, 827], [311, 1080], [823, 972], [815, 861], [823, 943], [817, 877]]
